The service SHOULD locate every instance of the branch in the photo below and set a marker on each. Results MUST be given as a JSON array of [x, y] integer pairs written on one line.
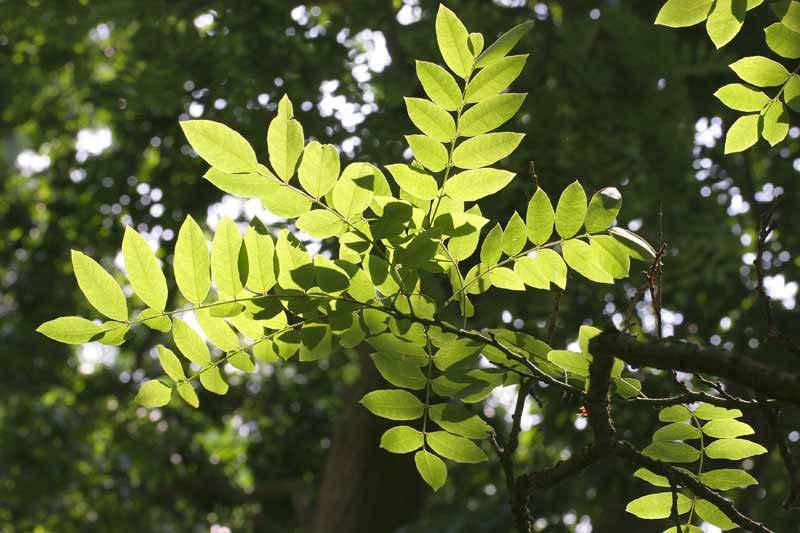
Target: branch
[[692, 396]]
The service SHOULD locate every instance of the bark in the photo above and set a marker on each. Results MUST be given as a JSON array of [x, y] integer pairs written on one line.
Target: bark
[[365, 488]]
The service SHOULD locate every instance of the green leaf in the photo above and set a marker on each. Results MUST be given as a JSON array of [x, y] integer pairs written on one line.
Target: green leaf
[[545, 267], [431, 119], [494, 78], [475, 43], [627, 387], [284, 140], [492, 247], [191, 262], [727, 428], [218, 331], [471, 185], [657, 506], [783, 41], [393, 404], [707, 411], [464, 246], [189, 343], [153, 394], [225, 250], [684, 529], [571, 210], [170, 363], [574, 362], [452, 38], [220, 146], [469, 387], [539, 218], [611, 256], [580, 257], [399, 371], [672, 452], [791, 93], [143, 270], [635, 246], [458, 420], [674, 413], [401, 439], [188, 394], [734, 449], [489, 114], [725, 21], [430, 153], [682, 13], [415, 182], [505, 278], [439, 85], [455, 351], [760, 71], [455, 448], [603, 209], [155, 320], [286, 202], [514, 237], [503, 45], [483, 150], [70, 329], [354, 191], [321, 224], [245, 185], [319, 168], [99, 287], [788, 12], [727, 478], [260, 259], [741, 98], [211, 380], [676, 431], [775, 122], [742, 134], [713, 515], [431, 468], [652, 478], [114, 333]]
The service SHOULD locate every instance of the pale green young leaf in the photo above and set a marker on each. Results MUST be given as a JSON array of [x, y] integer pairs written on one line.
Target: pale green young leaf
[[652, 478], [760, 71], [707, 411], [672, 452], [682, 13], [727, 478], [788, 12], [321, 224], [734, 449], [574, 362], [153, 394], [472, 185], [503, 45], [431, 468], [188, 394], [220, 146], [657, 506], [459, 421], [475, 43], [492, 247], [674, 413], [189, 343], [70, 329], [191, 262], [742, 134], [489, 114], [417, 183], [245, 185], [319, 168], [725, 21], [401, 439], [539, 218], [211, 379], [143, 270], [114, 333], [676, 431], [542, 269], [452, 38], [260, 258], [791, 93], [571, 210], [218, 331], [783, 41], [439, 85], [610, 255], [603, 209], [353, 192], [286, 202], [155, 320], [170, 363], [455, 448], [712, 514], [393, 404], [399, 371], [741, 98], [241, 361], [430, 153], [431, 119], [494, 78], [514, 236], [225, 249], [727, 428], [584, 260], [99, 287], [505, 278], [483, 150], [284, 140], [775, 122]]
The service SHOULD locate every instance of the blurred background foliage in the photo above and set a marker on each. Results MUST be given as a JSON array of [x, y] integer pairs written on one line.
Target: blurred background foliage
[[91, 96]]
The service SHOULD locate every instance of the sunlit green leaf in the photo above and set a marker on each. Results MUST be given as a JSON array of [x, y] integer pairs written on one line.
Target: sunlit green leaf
[[725, 21], [458, 420], [514, 236], [452, 38], [399, 371], [220, 146], [574, 362], [494, 78], [319, 168], [225, 250], [191, 262], [783, 41], [153, 394], [674, 413], [727, 428], [393, 404], [260, 259], [727, 478], [321, 224], [430, 153], [540, 217], [672, 452], [571, 210], [401, 439], [760, 71], [741, 98], [788, 12], [676, 431], [211, 379], [580, 257], [503, 45], [471, 185], [707, 411], [652, 478], [70, 330], [455, 448], [545, 267], [99, 287], [284, 140], [170, 363], [489, 114], [713, 515], [603, 209], [682, 13], [431, 468], [775, 122], [431, 119], [415, 182], [439, 85], [734, 449], [189, 343], [483, 150]]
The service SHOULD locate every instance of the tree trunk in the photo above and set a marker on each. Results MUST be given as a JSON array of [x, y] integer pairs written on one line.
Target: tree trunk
[[365, 488]]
